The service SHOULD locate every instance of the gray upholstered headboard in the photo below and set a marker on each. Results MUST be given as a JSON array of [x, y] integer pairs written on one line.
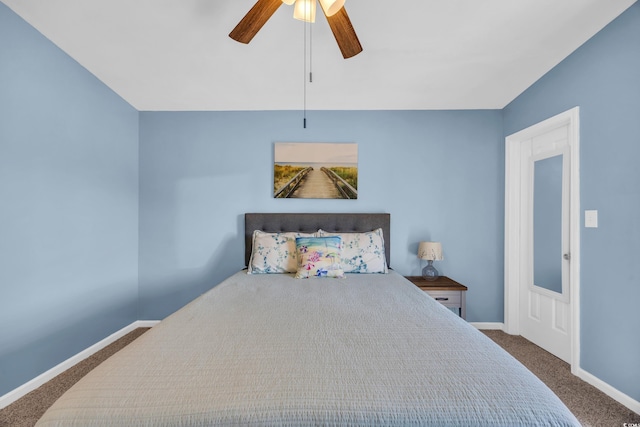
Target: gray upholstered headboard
[[311, 222]]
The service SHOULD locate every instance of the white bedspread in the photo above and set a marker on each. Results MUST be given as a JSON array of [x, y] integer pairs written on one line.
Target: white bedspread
[[274, 350]]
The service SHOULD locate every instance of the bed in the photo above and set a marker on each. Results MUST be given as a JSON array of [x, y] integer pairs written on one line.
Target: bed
[[273, 349]]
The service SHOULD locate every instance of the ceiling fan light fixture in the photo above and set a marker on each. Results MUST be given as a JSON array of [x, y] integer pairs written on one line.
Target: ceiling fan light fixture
[[331, 7], [305, 10]]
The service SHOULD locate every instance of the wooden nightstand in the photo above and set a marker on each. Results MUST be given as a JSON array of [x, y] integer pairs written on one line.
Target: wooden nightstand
[[446, 291]]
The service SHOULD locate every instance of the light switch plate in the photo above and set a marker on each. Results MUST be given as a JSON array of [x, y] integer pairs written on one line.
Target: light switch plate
[[591, 219]]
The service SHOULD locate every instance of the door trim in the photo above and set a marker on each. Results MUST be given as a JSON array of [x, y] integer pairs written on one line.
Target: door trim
[[513, 240]]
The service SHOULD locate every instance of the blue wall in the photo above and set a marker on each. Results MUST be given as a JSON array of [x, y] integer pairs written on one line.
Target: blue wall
[[603, 78], [439, 173], [69, 206]]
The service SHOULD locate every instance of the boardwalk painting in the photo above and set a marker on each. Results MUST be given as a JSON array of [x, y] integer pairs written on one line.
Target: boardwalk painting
[[315, 170]]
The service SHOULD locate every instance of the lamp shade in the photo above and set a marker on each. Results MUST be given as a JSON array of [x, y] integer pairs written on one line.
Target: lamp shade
[[305, 10], [430, 251], [331, 7], [289, 2]]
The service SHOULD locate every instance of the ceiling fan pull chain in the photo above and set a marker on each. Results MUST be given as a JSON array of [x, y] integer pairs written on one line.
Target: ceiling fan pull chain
[[310, 53], [304, 55]]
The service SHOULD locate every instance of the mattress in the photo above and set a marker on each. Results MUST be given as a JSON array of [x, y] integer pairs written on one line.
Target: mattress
[[370, 349]]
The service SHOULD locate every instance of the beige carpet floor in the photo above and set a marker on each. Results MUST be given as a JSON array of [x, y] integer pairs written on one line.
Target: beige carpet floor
[[26, 411], [592, 407]]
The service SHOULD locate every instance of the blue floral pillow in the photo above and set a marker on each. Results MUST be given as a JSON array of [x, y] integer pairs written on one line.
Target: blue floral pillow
[[362, 252], [319, 257], [274, 252]]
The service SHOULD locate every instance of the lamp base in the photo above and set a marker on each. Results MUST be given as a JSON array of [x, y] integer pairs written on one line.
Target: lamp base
[[429, 272]]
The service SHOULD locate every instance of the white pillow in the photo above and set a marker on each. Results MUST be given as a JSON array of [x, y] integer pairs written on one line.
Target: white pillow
[[362, 252], [274, 252]]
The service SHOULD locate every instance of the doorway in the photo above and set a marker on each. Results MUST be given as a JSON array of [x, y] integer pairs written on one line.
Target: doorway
[[542, 235]]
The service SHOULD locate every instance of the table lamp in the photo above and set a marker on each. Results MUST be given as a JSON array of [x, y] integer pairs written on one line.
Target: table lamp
[[430, 251]]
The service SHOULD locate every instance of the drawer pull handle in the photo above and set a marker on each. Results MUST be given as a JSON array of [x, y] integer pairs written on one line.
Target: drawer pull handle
[[442, 299]]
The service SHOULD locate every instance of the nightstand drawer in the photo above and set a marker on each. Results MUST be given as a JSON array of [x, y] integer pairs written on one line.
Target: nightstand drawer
[[446, 291], [445, 297]]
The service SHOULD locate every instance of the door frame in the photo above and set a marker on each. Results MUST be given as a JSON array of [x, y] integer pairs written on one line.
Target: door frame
[[514, 241]]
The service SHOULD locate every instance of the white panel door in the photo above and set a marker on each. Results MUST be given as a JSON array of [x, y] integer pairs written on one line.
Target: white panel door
[[545, 300]]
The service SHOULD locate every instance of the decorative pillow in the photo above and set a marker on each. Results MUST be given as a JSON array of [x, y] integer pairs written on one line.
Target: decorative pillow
[[319, 257], [274, 252], [362, 252]]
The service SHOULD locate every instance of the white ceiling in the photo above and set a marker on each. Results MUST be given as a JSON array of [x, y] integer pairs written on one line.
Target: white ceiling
[[172, 55]]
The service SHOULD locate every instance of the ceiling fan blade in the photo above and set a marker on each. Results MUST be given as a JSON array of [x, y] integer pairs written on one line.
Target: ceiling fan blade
[[344, 33], [259, 14]]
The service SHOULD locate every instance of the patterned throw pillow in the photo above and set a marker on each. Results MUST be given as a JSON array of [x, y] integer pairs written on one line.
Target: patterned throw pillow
[[362, 252], [319, 257], [274, 252]]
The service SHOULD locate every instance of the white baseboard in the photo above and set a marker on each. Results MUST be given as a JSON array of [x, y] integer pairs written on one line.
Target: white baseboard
[[28, 387], [613, 393], [490, 326]]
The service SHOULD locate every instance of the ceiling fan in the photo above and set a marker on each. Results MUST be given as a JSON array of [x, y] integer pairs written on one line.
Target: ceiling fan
[[304, 10]]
